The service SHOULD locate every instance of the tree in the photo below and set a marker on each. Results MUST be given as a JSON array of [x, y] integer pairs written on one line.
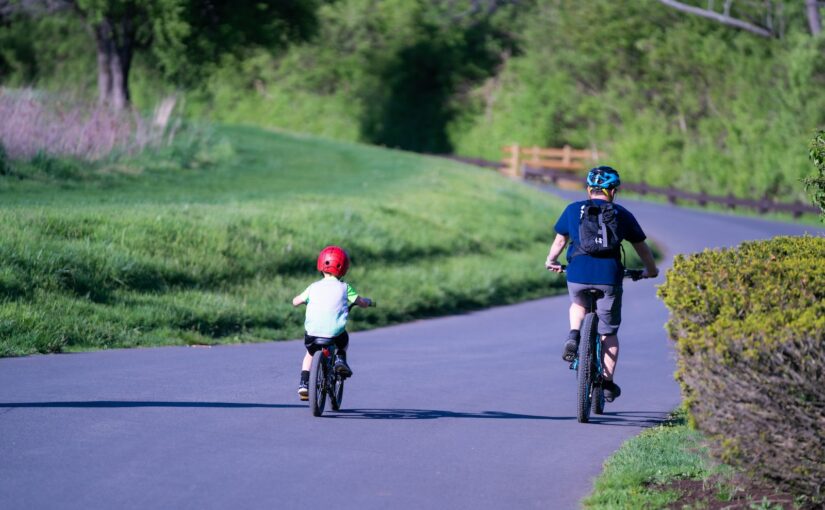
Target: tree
[[814, 18], [181, 35]]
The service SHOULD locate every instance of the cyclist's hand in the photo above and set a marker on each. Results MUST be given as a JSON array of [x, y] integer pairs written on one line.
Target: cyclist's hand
[[647, 274], [553, 265]]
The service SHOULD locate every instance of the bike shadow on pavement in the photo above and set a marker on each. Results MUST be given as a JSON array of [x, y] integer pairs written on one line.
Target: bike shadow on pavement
[[432, 414], [618, 419], [630, 418], [143, 403]]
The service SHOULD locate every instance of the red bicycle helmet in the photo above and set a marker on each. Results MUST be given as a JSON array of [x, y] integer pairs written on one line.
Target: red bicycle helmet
[[333, 260]]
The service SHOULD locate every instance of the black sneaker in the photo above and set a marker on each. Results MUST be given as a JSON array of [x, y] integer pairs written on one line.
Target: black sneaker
[[303, 391], [571, 349], [611, 390], [341, 367]]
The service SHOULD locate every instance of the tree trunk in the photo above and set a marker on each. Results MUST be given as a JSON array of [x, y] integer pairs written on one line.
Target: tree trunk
[[105, 49], [814, 18], [115, 43]]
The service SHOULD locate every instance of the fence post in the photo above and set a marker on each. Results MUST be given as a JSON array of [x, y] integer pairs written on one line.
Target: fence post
[[514, 166], [565, 158]]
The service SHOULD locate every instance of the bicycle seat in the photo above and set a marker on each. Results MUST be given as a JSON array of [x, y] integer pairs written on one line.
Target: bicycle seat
[[323, 342]]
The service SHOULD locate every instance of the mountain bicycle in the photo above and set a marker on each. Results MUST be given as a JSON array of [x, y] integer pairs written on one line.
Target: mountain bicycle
[[588, 362], [324, 381]]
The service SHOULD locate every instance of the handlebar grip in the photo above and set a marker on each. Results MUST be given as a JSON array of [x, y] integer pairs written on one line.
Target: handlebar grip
[[634, 274]]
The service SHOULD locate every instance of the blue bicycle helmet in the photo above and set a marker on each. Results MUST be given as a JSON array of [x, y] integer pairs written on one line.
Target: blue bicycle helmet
[[604, 177]]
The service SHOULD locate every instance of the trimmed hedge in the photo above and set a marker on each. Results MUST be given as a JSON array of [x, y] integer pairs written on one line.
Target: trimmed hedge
[[749, 326]]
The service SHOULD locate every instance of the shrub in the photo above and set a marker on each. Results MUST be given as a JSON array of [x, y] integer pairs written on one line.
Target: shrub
[[815, 185], [749, 326]]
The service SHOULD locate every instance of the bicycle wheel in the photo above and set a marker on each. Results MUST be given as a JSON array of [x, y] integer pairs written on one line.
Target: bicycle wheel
[[337, 395], [317, 384], [597, 396], [586, 366]]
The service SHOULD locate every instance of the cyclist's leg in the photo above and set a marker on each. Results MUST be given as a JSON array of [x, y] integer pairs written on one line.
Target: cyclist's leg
[[577, 313], [341, 344], [609, 309], [610, 349], [578, 302]]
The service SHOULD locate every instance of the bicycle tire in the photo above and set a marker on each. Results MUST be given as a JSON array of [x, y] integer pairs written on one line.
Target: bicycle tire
[[337, 395], [598, 399], [586, 366], [317, 390]]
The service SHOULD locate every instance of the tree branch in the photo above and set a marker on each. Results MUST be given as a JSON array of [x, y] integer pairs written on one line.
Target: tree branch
[[725, 19]]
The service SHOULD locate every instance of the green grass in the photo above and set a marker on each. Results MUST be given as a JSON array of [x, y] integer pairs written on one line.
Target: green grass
[[641, 474], [632, 476], [168, 256]]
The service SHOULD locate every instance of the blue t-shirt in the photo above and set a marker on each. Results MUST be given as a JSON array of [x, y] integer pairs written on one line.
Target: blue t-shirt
[[585, 268]]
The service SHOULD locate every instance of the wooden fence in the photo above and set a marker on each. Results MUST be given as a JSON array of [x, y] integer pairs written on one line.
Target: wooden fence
[[568, 165], [566, 159]]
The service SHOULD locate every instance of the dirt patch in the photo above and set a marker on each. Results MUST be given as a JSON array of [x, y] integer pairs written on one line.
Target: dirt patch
[[723, 494]]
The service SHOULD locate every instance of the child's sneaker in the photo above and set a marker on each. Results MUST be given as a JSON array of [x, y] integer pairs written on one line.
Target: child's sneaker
[[303, 391], [341, 367]]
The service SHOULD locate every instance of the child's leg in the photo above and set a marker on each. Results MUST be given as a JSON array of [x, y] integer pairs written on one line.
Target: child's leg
[[307, 363]]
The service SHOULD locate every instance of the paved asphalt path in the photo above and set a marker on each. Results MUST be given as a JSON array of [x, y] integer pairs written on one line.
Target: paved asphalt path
[[471, 411]]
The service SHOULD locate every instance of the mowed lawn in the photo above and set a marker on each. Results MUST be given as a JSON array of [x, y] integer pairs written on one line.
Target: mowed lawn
[[215, 254]]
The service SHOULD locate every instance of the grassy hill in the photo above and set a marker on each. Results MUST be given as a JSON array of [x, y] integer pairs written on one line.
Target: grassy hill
[[214, 255]]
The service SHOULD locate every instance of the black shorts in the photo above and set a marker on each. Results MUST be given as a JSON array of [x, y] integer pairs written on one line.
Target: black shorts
[[341, 342]]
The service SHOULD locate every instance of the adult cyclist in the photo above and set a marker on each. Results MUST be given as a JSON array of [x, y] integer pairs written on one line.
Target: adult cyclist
[[602, 271]]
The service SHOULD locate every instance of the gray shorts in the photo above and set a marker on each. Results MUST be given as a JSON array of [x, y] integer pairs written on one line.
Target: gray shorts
[[608, 306]]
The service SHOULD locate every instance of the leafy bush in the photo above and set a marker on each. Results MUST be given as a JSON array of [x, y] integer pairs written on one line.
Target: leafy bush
[[749, 325], [815, 185]]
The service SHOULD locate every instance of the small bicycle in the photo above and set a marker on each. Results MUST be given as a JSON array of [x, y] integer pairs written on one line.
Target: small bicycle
[[324, 381], [588, 362]]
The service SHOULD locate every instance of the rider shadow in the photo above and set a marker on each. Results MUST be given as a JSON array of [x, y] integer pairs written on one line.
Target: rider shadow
[[432, 414], [630, 418]]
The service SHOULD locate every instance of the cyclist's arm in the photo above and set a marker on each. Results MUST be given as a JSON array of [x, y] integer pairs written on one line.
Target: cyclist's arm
[[651, 271], [300, 298], [555, 250], [363, 302]]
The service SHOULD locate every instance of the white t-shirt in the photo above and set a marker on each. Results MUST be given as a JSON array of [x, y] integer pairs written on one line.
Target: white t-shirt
[[328, 303]]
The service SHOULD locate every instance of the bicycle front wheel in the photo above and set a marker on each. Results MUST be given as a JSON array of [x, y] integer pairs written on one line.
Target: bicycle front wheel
[[317, 384], [586, 372]]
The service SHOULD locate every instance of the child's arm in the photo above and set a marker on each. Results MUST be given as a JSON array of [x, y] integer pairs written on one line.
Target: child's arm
[[363, 302], [301, 298]]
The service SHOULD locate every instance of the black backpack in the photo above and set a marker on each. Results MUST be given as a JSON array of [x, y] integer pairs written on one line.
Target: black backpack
[[599, 230]]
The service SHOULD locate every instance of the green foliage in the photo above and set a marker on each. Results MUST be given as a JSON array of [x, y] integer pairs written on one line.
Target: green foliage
[[749, 325], [176, 257], [672, 99], [815, 185], [633, 476], [380, 72]]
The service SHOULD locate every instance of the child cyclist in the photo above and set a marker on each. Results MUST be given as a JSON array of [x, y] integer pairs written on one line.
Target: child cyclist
[[328, 301]]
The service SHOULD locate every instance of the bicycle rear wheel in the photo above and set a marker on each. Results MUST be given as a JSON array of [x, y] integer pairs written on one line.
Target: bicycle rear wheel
[[317, 384], [586, 366], [597, 395]]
